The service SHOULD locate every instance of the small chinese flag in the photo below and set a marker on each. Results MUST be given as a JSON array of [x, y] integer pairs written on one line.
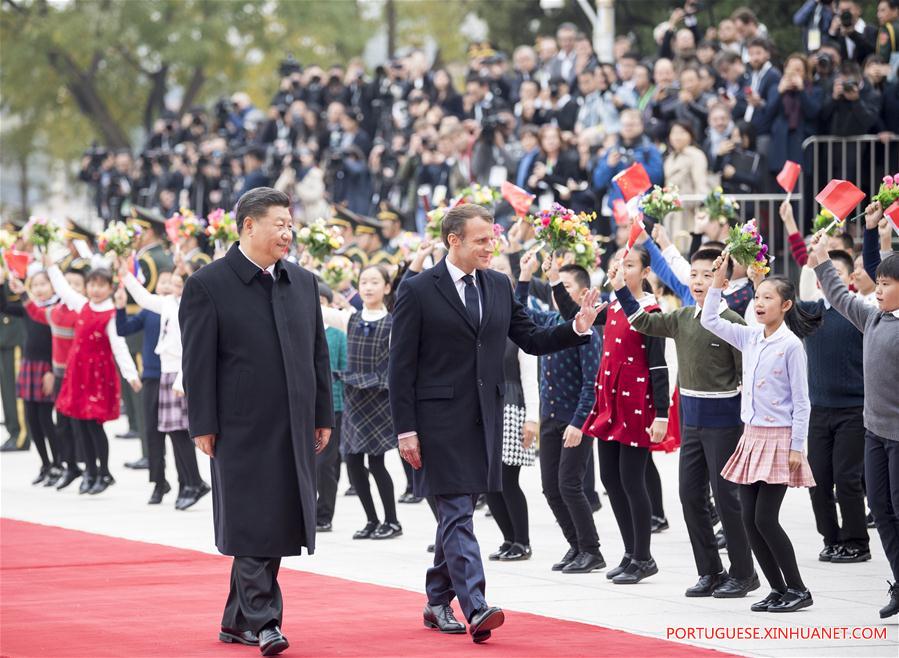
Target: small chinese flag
[[892, 215], [17, 262], [619, 212], [789, 175], [637, 228], [840, 197], [633, 181], [519, 199]]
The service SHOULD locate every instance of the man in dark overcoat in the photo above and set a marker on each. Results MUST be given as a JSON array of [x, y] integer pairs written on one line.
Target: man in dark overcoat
[[258, 385], [450, 327]]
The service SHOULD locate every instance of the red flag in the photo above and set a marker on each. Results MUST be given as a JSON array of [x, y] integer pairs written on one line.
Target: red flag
[[633, 181], [17, 262], [789, 175], [840, 197], [619, 212], [892, 213], [637, 228], [519, 199]]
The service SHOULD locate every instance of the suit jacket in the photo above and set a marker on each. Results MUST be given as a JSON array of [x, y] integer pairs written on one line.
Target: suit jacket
[[446, 376], [258, 376]]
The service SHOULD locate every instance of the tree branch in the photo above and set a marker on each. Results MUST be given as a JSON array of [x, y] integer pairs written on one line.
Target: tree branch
[[197, 79]]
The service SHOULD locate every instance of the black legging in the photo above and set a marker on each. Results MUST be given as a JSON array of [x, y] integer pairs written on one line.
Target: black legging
[[65, 431], [39, 418], [185, 459], [96, 446], [355, 467], [510, 508], [622, 470], [654, 488], [770, 545]]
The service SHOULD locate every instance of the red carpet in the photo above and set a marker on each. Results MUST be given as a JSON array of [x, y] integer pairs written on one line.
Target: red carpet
[[76, 594]]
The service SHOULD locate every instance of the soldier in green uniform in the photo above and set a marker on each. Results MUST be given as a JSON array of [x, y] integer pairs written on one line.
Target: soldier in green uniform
[[193, 253], [12, 335], [391, 219], [75, 234], [152, 259]]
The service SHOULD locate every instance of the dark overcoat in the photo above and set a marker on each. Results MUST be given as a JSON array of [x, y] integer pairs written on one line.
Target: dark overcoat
[[446, 376], [257, 375]]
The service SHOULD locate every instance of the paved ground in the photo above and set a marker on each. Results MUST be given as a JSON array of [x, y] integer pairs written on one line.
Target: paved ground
[[845, 595]]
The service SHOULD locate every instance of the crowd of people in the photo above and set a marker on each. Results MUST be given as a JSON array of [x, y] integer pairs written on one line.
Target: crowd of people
[[761, 383]]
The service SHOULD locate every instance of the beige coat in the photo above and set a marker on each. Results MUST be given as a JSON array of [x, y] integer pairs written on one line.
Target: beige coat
[[689, 171]]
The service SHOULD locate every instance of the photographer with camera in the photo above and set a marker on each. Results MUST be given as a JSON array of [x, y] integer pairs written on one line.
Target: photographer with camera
[[631, 145], [852, 107], [815, 18], [856, 38]]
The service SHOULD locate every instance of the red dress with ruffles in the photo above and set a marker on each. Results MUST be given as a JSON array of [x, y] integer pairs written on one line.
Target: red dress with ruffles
[[90, 389]]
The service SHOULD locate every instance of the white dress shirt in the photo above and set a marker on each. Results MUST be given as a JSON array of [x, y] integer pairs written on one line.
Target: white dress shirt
[[270, 269], [457, 276]]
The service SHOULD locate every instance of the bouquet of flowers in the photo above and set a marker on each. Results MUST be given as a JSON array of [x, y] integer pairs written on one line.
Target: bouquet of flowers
[[7, 239], [825, 220], [560, 228], [482, 195], [118, 238], [221, 227], [720, 208], [745, 246], [338, 271], [660, 201], [889, 191], [498, 239], [435, 222], [189, 225], [41, 232], [319, 239], [587, 252], [409, 243]]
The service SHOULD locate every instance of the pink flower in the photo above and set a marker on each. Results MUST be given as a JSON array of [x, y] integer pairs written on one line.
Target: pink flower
[[888, 181], [546, 221]]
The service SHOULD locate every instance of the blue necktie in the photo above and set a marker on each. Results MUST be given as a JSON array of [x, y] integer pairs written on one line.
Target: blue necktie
[[471, 301]]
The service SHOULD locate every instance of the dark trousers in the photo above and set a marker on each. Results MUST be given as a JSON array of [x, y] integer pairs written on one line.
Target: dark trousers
[[772, 547], [149, 399], [836, 453], [622, 470], [882, 482], [254, 601], [562, 473], [654, 488], [589, 478], [703, 453], [457, 571], [39, 418], [327, 466], [14, 423], [65, 432], [510, 508]]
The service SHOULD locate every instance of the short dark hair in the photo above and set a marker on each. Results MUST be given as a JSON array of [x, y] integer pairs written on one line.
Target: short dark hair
[[324, 290], [456, 219], [581, 275], [99, 274], [256, 202], [843, 257], [848, 242], [711, 255], [888, 268], [759, 42], [744, 15]]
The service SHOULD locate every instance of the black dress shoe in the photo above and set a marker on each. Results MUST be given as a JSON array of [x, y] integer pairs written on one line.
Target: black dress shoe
[[86, 483], [614, 571], [231, 636], [271, 641], [138, 464], [516, 552], [736, 588], [442, 618], [869, 520], [160, 490], [409, 498], [659, 523], [192, 495], [498, 553], [431, 548], [585, 563], [367, 531], [570, 554], [827, 553], [130, 434], [483, 621], [42, 475], [767, 602], [387, 531], [706, 585], [10, 446], [68, 476], [636, 571], [53, 476], [721, 539], [351, 491], [792, 601], [849, 554], [892, 607], [324, 526], [101, 484]]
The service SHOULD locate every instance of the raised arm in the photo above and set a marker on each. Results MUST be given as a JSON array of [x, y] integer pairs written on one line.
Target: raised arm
[[121, 353], [141, 296], [660, 266], [69, 297], [838, 295], [735, 334], [651, 324]]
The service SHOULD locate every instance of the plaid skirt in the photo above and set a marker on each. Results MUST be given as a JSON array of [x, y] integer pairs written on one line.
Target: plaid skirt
[[29, 385], [514, 452], [763, 455], [172, 409]]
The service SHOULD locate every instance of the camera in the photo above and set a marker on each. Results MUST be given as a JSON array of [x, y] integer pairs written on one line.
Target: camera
[[850, 86], [288, 66], [846, 18], [627, 156]]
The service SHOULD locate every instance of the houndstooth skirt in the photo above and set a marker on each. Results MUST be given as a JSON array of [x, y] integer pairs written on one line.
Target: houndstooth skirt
[[763, 455], [172, 409], [514, 452]]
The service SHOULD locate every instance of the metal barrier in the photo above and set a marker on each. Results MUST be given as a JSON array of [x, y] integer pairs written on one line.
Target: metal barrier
[[765, 208]]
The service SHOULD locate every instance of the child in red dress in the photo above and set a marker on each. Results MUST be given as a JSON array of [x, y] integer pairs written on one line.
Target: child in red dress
[[630, 415], [90, 392]]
